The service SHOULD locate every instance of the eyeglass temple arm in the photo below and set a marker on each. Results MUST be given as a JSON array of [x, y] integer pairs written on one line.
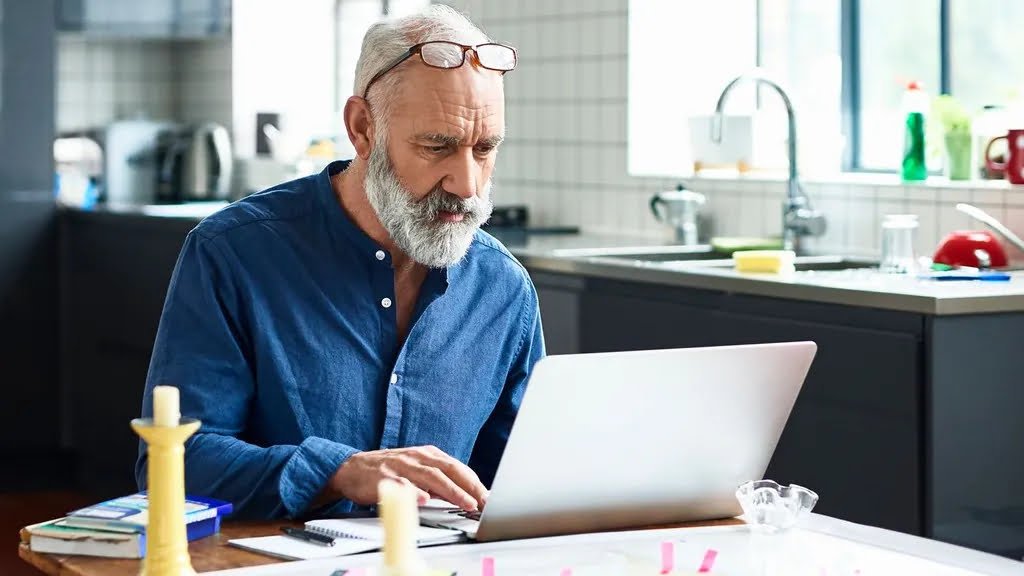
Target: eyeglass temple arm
[[408, 54]]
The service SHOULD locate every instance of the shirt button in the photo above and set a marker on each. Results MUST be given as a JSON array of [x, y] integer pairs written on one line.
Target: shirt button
[[386, 302], [379, 254], [394, 378]]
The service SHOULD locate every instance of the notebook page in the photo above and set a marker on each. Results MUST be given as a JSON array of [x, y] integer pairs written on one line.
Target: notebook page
[[295, 549]]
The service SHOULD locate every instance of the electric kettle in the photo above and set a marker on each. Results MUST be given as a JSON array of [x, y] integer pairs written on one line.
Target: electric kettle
[[198, 165]]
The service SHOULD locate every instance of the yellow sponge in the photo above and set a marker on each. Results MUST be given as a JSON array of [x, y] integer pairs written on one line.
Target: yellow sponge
[[765, 261]]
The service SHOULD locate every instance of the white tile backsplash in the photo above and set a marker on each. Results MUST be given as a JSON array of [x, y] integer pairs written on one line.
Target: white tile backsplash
[[102, 80], [1014, 196], [862, 222], [954, 195], [1014, 219], [951, 219], [987, 197], [928, 231]]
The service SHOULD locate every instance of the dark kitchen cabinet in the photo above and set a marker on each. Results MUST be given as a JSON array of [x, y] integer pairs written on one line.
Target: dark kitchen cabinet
[[153, 19], [559, 299], [976, 431], [631, 316], [855, 433], [115, 271]]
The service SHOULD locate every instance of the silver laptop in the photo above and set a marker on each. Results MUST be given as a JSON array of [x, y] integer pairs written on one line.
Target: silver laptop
[[626, 439]]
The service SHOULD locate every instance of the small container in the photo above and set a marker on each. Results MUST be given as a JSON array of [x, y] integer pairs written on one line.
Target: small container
[[770, 508], [898, 232], [959, 160]]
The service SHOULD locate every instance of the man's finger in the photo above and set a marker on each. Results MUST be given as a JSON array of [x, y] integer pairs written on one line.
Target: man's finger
[[437, 482], [463, 476]]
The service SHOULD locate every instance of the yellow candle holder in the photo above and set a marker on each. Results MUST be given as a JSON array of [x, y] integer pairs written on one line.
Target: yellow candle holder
[[166, 539]]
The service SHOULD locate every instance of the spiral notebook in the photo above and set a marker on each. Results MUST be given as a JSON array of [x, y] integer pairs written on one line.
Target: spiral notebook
[[352, 536], [371, 529]]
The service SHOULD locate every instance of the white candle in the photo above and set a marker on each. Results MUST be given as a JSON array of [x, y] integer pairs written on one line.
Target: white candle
[[400, 518], [165, 406]]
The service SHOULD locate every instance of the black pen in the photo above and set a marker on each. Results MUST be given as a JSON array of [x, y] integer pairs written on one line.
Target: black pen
[[308, 536]]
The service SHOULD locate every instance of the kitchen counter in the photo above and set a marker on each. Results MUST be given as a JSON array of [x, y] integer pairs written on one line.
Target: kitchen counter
[[566, 253], [860, 287], [192, 211]]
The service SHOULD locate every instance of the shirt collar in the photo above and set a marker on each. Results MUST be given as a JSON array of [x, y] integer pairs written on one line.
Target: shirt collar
[[366, 246]]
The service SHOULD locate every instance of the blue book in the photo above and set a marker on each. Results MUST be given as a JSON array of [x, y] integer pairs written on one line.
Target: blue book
[[131, 513], [56, 537]]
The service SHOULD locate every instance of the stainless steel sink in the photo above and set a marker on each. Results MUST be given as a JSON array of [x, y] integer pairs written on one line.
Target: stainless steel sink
[[641, 254], [814, 263], [703, 256], [832, 264]]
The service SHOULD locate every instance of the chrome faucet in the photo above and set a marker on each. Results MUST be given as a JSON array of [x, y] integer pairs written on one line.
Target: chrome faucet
[[799, 219]]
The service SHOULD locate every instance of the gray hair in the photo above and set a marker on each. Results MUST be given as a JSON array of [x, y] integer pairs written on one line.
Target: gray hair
[[386, 41]]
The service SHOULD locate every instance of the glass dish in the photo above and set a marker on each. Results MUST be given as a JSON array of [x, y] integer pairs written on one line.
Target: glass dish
[[769, 507]]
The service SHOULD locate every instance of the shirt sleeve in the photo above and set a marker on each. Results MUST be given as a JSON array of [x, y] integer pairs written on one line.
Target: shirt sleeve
[[490, 444], [202, 348]]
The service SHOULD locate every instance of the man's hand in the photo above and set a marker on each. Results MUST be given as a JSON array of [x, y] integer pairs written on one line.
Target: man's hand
[[432, 472]]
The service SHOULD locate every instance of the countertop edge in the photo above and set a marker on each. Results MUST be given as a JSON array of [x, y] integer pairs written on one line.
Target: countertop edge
[[697, 279]]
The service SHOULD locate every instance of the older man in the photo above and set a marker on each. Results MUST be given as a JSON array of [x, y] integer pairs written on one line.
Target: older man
[[356, 324]]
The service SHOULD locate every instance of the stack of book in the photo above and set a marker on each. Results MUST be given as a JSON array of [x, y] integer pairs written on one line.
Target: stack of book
[[117, 528]]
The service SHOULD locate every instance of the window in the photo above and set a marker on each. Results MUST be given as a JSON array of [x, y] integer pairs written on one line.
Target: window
[[354, 18], [681, 57], [281, 62], [679, 60], [845, 64], [985, 47], [301, 56], [799, 45], [899, 42]]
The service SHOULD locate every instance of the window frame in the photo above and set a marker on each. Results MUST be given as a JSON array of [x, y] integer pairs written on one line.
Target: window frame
[[850, 40]]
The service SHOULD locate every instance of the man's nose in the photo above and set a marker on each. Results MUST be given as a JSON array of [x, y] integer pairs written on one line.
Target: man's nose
[[463, 174]]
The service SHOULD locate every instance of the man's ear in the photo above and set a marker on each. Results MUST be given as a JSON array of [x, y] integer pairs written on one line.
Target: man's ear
[[360, 126]]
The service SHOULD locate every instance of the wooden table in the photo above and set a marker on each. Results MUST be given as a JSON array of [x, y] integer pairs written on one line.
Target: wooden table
[[208, 554]]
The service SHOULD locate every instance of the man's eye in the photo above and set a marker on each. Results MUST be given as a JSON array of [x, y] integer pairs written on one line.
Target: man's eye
[[436, 149], [484, 150]]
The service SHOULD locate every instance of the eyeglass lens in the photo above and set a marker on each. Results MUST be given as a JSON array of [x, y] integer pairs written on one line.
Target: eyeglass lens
[[447, 55]]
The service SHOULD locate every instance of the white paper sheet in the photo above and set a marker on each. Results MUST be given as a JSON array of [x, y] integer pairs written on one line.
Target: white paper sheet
[[823, 550], [295, 549]]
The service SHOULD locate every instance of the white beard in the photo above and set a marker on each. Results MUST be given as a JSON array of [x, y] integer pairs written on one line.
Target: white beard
[[414, 226]]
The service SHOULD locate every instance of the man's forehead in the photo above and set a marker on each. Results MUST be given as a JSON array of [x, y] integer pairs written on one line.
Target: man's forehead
[[451, 101]]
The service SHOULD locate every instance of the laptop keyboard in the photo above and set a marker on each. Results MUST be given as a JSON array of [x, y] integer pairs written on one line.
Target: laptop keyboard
[[474, 515]]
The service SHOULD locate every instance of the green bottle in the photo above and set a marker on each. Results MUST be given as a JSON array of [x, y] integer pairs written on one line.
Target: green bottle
[[915, 103]]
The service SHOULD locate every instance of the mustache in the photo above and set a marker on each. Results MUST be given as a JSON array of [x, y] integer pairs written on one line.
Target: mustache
[[440, 200]]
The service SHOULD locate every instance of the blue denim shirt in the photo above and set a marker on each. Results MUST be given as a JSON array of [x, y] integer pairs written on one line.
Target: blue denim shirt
[[280, 333]]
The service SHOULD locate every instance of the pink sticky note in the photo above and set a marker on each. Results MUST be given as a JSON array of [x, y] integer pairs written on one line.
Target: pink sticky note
[[566, 572], [487, 566], [668, 557], [709, 561]]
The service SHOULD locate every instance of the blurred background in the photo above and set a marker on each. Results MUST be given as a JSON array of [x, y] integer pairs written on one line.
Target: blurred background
[[122, 122]]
